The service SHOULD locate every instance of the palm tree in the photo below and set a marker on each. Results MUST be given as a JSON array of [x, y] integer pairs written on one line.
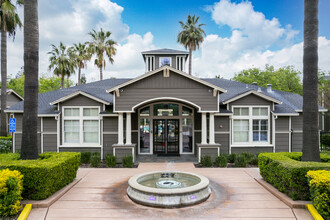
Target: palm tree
[[9, 21], [29, 146], [100, 44], [80, 56], [61, 63], [191, 35], [310, 150]]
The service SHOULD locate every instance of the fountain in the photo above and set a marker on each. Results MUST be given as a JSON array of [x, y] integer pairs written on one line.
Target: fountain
[[168, 189]]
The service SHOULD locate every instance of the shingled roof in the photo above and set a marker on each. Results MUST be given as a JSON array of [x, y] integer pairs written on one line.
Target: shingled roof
[[290, 102], [165, 51]]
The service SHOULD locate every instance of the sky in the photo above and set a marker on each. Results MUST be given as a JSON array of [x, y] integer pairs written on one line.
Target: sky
[[239, 34]]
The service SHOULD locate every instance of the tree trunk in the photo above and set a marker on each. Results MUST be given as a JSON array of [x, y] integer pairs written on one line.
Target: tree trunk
[[101, 74], [79, 76], [29, 147], [62, 81], [3, 129], [310, 150], [190, 57]]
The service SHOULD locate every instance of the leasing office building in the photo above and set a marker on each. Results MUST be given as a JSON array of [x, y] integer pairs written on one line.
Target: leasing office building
[[166, 112]]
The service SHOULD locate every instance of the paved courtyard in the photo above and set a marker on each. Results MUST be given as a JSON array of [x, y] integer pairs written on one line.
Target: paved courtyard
[[101, 194]]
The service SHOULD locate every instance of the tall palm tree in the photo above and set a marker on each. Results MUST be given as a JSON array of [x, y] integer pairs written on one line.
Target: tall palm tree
[[9, 22], [80, 55], [61, 63], [99, 45], [29, 146], [310, 150], [191, 35]]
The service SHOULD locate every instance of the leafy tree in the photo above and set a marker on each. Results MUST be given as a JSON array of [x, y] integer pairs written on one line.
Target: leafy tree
[[191, 35], [29, 146], [17, 84], [311, 150], [83, 79], [61, 63], [284, 79], [99, 45], [9, 22], [80, 56]]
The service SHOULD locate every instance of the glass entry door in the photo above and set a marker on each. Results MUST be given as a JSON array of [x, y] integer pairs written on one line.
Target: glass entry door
[[166, 136]]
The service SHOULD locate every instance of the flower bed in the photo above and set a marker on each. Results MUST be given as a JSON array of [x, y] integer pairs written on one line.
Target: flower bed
[[286, 173]]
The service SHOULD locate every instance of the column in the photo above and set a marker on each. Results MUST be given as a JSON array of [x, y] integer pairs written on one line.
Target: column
[[128, 128], [211, 127], [120, 129], [204, 128]]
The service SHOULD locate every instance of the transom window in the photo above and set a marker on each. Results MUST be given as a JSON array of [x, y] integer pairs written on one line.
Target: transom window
[[164, 109], [165, 61], [251, 125], [81, 125]]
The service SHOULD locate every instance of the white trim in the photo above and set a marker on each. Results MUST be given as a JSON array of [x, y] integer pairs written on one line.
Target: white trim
[[222, 114], [211, 129], [282, 132], [49, 132], [9, 91], [204, 129], [78, 93], [41, 135], [109, 115], [160, 69], [273, 131], [110, 132], [246, 145], [255, 93], [58, 140], [222, 132], [128, 128], [77, 145], [206, 147], [121, 147], [13, 111], [290, 126], [47, 115], [120, 129], [230, 133], [286, 114], [320, 110]]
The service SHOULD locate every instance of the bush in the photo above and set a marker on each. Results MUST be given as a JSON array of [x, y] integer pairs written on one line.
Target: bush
[[240, 160], [319, 185], [254, 160], [44, 176], [5, 146], [6, 137], [287, 174], [248, 156], [127, 161], [221, 161], [11, 186], [206, 161], [231, 158], [325, 140], [86, 157], [95, 159], [110, 160]]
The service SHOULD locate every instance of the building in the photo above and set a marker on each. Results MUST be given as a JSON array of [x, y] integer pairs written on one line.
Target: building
[[166, 111]]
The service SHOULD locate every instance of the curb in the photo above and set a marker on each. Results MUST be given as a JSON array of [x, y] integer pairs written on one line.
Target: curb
[[281, 196], [314, 212], [25, 213], [53, 198]]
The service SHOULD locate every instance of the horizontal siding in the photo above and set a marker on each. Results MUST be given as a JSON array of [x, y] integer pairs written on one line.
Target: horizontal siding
[[223, 139], [50, 142], [120, 153], [80, 149], [18, 142], [250, 100], [108, 141], [297, 142], [49, 124], [19, 122], [221, 123], [213, 152], [12, 99], [297, 123], [282, 123], [197, 139], [252, 150], [282, 142], [81, 100], [110, 124]]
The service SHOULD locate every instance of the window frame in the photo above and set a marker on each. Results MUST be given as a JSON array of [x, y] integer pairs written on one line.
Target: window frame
[[250, 117], [160, 61], [81, 118]]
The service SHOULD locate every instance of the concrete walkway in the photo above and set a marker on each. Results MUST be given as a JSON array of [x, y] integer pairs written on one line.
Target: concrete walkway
[[101, 194]]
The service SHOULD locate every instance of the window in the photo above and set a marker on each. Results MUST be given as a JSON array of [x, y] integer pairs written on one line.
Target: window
[[166, 109], [251, 125], [180, 63], [186, 111], [145, 111], [150, 63], [165, 61], [81, 125]]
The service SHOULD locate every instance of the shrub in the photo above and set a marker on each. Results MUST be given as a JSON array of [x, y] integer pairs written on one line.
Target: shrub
[[319, 185], [44, 176], [127, 161], [206, 161], [86, 157], [240, 160], [5, 146], [254, 160], [95, 159], [6, 137], [287, 174], [231, 158], [325, 140], [110, 160], [11, 186], [248, 156], [221, 161]]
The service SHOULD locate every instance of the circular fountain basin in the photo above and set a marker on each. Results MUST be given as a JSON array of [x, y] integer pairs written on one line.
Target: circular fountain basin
[[168, 189]]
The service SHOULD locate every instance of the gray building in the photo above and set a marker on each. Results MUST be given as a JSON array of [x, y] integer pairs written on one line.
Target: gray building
[[166, 111]]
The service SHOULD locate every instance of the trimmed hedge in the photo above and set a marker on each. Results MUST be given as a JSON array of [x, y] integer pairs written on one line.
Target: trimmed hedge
[[9, 137], [46, 175], [86, 157], [319, 183], [111, 160], [95, 159], [11, 186], [127, 161], [286, 173]]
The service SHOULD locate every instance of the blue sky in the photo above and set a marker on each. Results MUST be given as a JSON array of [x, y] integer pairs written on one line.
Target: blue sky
[[239, 34]]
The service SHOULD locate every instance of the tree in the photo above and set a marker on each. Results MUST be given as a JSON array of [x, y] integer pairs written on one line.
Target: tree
[[284, 79], [99, 45], [80, 55], [29, 147], [61, 63], [310, 149], [47, 84], [9, 22], [191, 35], [83, 79], [17, 84]]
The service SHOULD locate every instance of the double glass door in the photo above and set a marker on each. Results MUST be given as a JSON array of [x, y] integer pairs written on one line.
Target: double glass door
[[166, 136]]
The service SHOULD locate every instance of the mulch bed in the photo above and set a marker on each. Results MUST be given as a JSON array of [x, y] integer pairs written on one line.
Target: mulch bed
[[104, 165], [229, 165]]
